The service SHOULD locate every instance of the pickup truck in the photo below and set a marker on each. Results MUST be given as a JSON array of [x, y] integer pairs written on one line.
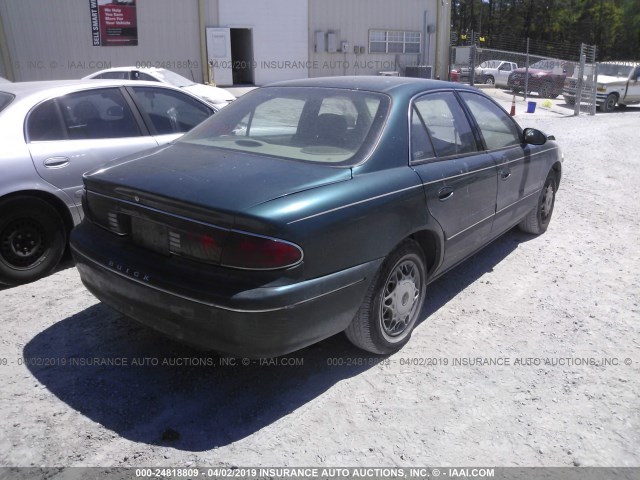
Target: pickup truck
[[618, 83], [495, 72]]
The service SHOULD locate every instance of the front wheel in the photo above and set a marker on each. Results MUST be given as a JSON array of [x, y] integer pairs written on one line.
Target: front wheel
[[32, 240], [546, 90], [393, 303], [609, 104], [538, 219]]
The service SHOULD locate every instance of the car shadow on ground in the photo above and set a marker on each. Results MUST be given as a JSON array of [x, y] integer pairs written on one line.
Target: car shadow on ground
[[149, 389], [65, 263]]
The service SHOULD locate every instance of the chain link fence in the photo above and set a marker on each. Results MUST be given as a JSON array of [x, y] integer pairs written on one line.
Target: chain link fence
[[540, 69], [580, 88]]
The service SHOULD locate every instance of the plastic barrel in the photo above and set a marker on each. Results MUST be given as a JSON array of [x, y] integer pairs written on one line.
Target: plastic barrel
[[531, 107]]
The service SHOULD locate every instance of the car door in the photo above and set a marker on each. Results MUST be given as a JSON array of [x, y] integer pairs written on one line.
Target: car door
[[503, 74], [168, 113], [459, 180], [633, 86], [72, 134], [519, 174]]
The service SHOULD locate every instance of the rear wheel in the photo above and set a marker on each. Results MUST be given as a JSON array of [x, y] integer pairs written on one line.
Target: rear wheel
[[32, 240], [393, 303], [538, 219], [490, 81]]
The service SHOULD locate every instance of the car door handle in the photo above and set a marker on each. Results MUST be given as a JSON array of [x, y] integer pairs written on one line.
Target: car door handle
[[56, 162], [504, 174], [445, 193]]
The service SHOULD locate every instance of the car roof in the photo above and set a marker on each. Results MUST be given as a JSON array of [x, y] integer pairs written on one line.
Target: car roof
[[42, 90], [29, 87], [382, 84]]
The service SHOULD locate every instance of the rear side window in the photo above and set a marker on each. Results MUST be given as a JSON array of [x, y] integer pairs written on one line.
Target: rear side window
[[169, 111], [446, 123], [144, 76], [421, 147], [496, 127], [113, 75], [5, 99], [43, 123], [102, 113]]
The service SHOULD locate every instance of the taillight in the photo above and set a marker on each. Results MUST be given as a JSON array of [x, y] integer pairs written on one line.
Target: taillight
[[198, 244], [259, 253]]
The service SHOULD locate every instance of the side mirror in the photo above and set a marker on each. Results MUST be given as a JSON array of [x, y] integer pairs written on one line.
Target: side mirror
[[535, 137]]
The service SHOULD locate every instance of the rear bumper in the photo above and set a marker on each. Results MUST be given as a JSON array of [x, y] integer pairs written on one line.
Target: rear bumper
[[257, 321]]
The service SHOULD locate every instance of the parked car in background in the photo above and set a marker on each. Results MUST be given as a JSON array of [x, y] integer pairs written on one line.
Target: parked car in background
[[53, 132], [216, 96], [618, 84], [462, 71], [495, 72], [311, 207], [545, 77]]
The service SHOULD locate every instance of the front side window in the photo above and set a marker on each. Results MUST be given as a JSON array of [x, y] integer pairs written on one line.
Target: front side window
[[320, 125], [446, 123], [170, 111], [496, 127], [102, 113]]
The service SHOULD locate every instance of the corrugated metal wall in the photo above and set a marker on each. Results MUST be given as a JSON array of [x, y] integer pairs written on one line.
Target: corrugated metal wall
[[52, 39], [353, 19], [280, 27]]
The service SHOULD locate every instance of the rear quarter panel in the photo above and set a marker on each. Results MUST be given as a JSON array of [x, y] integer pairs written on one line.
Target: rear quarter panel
[[347, 223]]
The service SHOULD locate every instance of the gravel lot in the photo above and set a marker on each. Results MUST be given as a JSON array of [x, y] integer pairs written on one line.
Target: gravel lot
[[559, 312]]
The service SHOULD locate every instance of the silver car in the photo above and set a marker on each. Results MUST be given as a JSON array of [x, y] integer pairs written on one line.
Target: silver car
[[53, 132], [216, 96]]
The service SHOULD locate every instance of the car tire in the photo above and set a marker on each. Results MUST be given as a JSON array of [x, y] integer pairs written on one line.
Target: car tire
[[546, 90], [388, 315], [538, 219], [609, 104], [570, 100], [32, 240], [490, 81]]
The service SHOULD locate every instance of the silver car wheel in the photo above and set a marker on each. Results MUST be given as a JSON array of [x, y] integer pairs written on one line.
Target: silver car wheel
[[400, 299]]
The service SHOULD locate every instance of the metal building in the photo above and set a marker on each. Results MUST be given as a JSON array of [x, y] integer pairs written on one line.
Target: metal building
[[224, 41]]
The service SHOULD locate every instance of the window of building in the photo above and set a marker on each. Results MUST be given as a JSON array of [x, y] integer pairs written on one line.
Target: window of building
[[394, 41]]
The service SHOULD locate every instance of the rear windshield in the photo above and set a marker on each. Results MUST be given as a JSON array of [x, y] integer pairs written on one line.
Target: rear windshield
[[320, 125], [5, 99]]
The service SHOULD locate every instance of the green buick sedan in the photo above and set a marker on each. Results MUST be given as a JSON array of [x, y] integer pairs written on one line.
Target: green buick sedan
[[308, 208]]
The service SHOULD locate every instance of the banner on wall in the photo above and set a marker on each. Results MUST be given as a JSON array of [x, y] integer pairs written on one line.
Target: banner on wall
[[113, 23]]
